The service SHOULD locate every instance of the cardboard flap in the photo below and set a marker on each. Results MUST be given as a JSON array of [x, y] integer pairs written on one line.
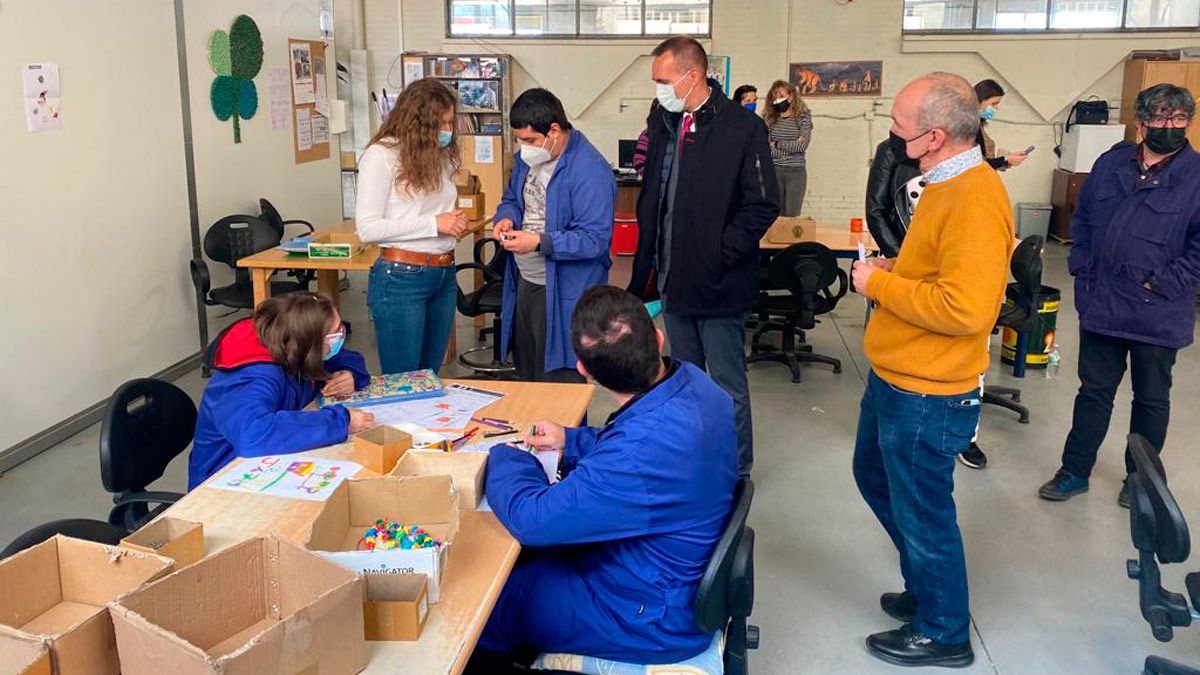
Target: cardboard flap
[[427, 501], [330, 525], [394, 587], [23, 656], [29, 584], [304, 577], [94, 574]]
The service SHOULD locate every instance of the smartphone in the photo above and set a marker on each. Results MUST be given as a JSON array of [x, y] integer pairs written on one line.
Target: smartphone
[[1028, 150]]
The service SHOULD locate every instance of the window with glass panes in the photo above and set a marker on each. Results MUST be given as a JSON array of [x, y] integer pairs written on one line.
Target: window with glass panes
[[578, 18], [967, 16]]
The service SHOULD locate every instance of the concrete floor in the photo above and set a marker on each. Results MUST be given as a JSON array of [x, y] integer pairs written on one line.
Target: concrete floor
[[1048, 586]]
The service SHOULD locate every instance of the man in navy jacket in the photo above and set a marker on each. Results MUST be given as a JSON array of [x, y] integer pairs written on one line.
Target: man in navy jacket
[[1136, 261], [616, 549]]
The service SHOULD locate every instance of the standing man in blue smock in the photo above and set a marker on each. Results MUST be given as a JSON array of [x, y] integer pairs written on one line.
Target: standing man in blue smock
[[556, 219], [615, 550]]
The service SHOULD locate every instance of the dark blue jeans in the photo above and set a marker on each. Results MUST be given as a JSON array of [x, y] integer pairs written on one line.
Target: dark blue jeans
[[718, 344], [904, 467], [412, 307]]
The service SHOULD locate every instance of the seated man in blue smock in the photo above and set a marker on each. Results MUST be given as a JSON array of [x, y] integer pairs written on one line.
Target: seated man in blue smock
[[615, 550]]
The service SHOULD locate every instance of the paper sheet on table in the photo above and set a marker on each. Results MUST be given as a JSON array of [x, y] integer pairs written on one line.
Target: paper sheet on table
[[547, 458], [280, 95], [304, 134], [291, 476], [454, 410]]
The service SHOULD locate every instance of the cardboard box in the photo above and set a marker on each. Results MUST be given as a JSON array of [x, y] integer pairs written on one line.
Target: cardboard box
[[466, 471], [381, 448], [428, 501], [334, 245], [179, 540], [396, 606], [261, 606], [472, 203], [466, 182], [57, 593], [23, 656]]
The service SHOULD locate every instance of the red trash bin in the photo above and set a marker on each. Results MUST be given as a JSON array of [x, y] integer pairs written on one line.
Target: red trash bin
[[625, 234]]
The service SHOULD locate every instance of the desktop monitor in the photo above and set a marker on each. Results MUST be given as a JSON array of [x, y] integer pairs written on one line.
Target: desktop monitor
[[625, 149]]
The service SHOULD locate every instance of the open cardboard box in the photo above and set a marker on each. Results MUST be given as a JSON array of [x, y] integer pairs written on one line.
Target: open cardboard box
[[179, 540], [380, 448], [23, 656], [334, 245], [57, 593], [396, 606], [466, 471], [428, 501], [472, 203], [261, 606]]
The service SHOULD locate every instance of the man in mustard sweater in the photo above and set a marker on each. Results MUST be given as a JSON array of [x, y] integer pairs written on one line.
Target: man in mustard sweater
[[927, 344]]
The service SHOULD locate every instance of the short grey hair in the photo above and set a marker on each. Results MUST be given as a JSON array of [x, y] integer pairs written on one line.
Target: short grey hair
[[949, 104], [1165, 98]]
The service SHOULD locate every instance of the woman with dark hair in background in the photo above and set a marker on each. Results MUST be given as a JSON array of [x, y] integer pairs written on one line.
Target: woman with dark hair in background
[[990, 93], [790, 124], [746, 96], [643, 142]]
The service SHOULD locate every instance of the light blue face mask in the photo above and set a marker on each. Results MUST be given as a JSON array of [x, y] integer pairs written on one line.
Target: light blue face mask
[[987, 113], [335, 343], [444, 138]]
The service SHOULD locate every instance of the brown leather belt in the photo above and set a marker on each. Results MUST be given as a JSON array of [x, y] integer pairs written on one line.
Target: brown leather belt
[[399, 255]]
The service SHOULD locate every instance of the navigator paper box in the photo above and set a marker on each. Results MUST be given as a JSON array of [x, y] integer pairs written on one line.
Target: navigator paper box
[[261, 606], [428, 501], [23, 656], [57, 592]]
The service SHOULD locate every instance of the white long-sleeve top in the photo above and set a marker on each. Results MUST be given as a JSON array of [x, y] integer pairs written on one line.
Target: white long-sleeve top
[[393, 217]]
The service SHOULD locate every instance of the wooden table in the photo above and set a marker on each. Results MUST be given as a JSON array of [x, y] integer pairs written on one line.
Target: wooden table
[[265, 263], [839, 238], [480, 559]]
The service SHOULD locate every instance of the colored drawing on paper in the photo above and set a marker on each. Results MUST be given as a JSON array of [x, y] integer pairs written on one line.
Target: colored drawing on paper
[[453, 410], [391, 388], [294, 477]]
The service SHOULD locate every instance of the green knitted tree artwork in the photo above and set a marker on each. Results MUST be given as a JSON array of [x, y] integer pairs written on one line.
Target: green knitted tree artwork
[[236, 57]]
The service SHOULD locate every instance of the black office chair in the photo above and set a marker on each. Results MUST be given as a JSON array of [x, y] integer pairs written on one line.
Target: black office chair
[[725, 597], [147, 424], [227, 241], [271, 217], [79, 528], [485, 300], [807, 271], [1020, 314], [1160, 534]]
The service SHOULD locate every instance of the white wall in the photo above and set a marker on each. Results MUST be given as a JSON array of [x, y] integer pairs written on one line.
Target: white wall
[[605, 85], [93, 272]]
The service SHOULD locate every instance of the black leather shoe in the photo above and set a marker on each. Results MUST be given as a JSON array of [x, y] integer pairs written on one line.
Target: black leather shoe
[[900, 606], [905, 646]]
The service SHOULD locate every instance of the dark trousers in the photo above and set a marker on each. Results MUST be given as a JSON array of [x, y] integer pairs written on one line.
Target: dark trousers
[[529, 338], [1102, 362], [718, 345], [904, 467]]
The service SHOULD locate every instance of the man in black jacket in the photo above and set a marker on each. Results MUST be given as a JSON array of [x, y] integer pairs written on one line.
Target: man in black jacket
[[889, 202], [708, 196]]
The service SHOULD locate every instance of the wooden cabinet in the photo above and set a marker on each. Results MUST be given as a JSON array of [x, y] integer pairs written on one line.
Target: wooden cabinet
[[1140, 74], [627, 195], [1064, 195]]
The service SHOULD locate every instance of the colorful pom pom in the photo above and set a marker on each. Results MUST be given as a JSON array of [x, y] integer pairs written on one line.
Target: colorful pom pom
[[387, 535]]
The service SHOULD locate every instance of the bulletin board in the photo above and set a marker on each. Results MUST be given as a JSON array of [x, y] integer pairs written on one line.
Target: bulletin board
[[310, 99]]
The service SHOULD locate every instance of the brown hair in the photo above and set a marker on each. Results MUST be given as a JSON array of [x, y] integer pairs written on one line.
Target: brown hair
[[293, 329], [413, 127], [798, 105]]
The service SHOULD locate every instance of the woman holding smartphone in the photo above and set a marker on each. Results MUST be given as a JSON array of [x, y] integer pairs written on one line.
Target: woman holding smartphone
[[990, 93]]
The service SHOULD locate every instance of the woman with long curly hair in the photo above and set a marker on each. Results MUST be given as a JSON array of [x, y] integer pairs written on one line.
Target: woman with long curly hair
[[790, 124], [406, 204]]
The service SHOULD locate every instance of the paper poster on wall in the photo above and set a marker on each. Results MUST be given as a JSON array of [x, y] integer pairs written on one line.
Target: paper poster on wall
[[414, 69], [320, 128], [43, 97], [302, 73], [325, 19], [485, 150], [279, 91], [304, 135], [319, 80]]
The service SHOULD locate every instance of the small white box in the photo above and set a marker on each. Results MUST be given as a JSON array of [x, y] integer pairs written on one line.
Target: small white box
[[1084, 144]]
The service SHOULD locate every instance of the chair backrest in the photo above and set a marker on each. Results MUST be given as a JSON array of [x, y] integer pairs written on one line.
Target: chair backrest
[[727, 587], [1155, 522], [234, 237], [492, 273], [79, 528], [147, 424], [1026, 267], [808, 271], [270, 215]]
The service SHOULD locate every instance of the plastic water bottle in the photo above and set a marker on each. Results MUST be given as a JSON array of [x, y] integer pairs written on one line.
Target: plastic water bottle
[[1052, 363]]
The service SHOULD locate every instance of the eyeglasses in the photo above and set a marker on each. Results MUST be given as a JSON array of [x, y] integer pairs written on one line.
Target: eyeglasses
[[1175, 120]]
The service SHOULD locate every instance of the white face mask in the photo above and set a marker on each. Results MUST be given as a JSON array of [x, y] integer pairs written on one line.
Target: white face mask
[[535, 155], [667, 98]]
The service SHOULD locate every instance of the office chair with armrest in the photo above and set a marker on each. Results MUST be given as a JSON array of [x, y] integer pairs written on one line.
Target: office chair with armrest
[[270, 215], [147, 424], [1020, 314], [79, 528], [1160, 534], [807, 271], [725, 597], [485, 300]]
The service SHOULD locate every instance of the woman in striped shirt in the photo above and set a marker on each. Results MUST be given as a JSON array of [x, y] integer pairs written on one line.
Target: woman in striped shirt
[[790, 125]]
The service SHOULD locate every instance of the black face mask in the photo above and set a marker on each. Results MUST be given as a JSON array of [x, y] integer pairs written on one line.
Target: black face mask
[[782, 106], [1165, 140], [900, 146]]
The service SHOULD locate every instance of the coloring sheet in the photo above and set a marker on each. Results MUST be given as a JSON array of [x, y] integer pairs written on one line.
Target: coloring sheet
[[291, 476], [453, 410]]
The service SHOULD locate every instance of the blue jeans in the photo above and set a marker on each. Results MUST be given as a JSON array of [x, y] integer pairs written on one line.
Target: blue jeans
[[904, 468], [412, 307], [718, 344]]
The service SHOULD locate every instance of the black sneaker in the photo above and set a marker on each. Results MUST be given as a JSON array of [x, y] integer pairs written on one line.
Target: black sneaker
[[905, 646], [900, 606], [973, 457], [1123, 497], [1063, 486]]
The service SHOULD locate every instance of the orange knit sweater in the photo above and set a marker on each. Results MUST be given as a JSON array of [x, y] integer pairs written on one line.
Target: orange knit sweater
[[938, 304]]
